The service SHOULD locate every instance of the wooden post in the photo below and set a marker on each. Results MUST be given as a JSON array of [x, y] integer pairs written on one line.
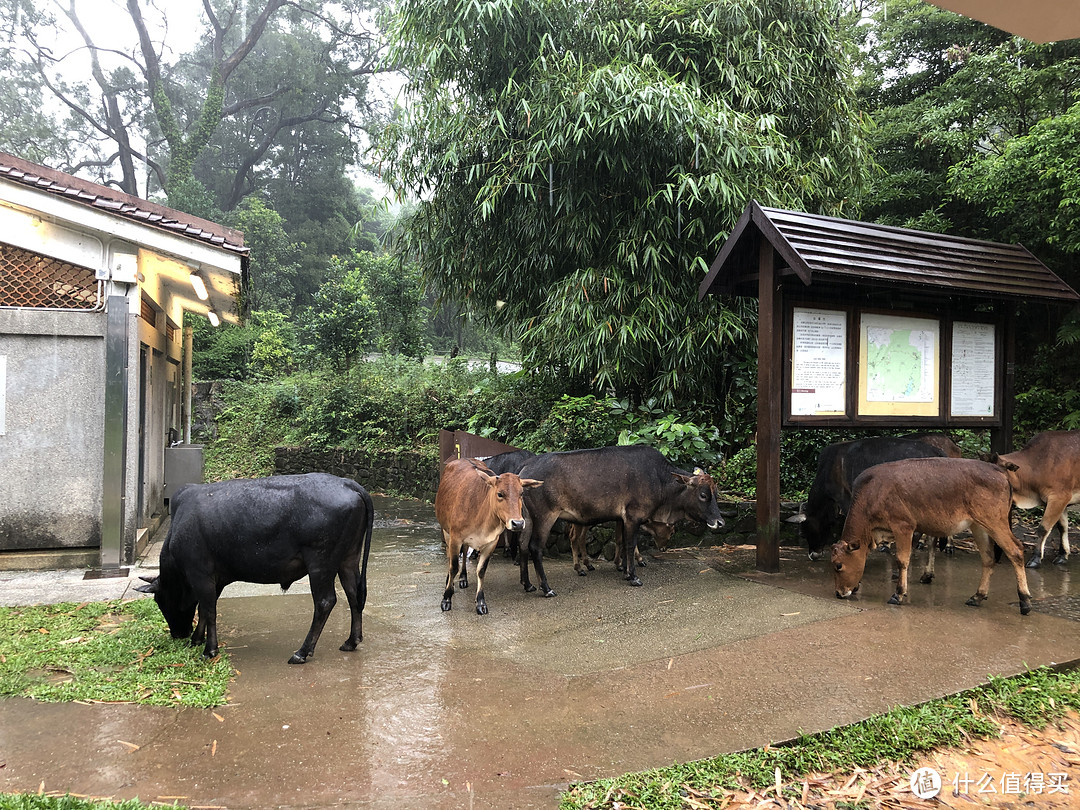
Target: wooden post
[[1001, 438], [770, 323]]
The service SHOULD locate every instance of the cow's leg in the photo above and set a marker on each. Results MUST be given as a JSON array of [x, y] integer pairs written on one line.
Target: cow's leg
[[349, 576], [453, 550], [1052, 514], [206, 628], [1056, 514], [1012, 548], [535, 535], [481, 569], [903, 537], [986, 554], [323, 598], [578, 536], [463, 583], [630, 532], [928, 572], [537, 543]]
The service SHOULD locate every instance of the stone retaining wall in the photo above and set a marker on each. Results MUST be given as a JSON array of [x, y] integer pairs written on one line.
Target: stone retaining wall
[[415, 475], [411, 475]]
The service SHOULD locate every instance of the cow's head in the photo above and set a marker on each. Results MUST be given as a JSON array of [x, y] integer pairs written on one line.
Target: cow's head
[[505, 496], [817, 527], [698, 500], [1008, 467], [661, 532], [175, 600], [849, 562]]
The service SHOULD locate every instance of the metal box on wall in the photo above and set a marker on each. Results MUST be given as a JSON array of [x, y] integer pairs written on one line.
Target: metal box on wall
[[183, 465]]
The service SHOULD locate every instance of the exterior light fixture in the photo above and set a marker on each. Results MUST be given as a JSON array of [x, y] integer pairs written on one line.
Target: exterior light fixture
[[213, 318], [199, 286]]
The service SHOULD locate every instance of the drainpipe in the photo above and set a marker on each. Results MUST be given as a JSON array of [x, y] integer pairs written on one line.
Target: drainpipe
[[188, 333], [116, 413]]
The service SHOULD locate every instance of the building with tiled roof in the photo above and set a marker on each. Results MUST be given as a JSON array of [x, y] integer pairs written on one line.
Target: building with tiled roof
[[94, 284]]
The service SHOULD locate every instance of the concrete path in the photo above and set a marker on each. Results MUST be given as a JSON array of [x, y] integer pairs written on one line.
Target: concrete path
[[456, 710]]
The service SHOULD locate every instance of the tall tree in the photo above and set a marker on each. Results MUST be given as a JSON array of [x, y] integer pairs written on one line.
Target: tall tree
[[579, 163], [945, 90], [253, 73]]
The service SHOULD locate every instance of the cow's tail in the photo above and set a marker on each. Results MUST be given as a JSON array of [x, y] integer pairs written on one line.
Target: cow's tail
[[366, 532]]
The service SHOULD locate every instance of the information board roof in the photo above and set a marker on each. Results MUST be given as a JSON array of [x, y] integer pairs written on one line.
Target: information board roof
[[825, 250]]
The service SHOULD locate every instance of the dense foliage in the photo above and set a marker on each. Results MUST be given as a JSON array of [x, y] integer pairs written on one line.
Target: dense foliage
[[578, 165]]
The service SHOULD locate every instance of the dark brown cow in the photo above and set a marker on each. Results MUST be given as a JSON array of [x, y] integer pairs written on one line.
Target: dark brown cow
[[630, 484], [661, 533], [473, 506], [935, 496], [1046, 471]]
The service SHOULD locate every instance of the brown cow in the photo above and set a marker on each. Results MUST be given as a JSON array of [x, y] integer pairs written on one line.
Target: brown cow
[[473, 505], [661, 533], [935, 496], [1046, 471]]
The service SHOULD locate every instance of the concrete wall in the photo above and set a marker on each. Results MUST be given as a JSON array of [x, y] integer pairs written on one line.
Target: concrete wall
[[51, 450]]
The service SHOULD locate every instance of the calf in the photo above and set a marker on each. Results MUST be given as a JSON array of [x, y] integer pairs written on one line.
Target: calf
[[838, 466], [265, 530], [1046, 471], [473, 506], [661, 533], [936, 496], [629, 484]]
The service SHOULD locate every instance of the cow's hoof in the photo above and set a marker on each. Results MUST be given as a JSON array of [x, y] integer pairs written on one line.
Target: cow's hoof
[[463, 585], [348, 646], [642, 563], [446, 604], [297, 658], [635, 581], [529, 588], [582, 573], [1061, 559], [896, 599], [926, 579], [1025, 608], [548, 593], [975, 601], [481, 609], [590, 566], [1035, 562]]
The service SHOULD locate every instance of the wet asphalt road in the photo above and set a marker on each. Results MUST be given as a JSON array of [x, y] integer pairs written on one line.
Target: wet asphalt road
[[504, 710]]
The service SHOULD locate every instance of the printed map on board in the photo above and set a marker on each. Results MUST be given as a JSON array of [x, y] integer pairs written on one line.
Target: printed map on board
[[900, 364]]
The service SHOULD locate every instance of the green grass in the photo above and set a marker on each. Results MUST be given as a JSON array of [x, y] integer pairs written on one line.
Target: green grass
[[113, 651], [1036, 699], [31, 801]]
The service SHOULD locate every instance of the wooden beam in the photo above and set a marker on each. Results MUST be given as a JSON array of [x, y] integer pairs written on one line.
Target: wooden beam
[[770, 327]]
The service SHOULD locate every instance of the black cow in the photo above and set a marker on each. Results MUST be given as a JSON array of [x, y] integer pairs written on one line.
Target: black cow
[[630, 484], [264, 530], [838, 466]]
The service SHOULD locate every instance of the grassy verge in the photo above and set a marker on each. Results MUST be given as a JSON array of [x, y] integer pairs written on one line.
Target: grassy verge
[[112, 651], [1035, 699], [31, 801]]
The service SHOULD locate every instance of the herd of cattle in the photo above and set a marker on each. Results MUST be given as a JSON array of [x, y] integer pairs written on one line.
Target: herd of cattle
[[879, 490]]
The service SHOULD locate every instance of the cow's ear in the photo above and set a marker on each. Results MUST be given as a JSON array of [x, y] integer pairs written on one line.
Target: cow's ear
[[852, 547], [530, 483], [151, 585], [687, 480], [1008, 465], [488, 476]]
